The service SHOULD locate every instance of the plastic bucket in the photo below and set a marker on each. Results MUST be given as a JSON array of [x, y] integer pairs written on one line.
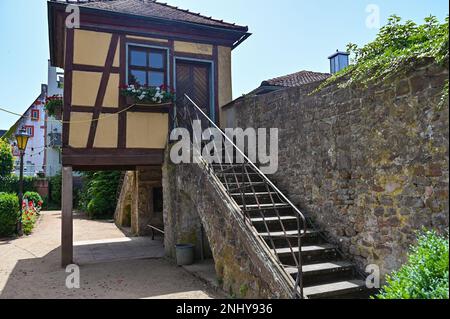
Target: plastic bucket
[[184, 254]]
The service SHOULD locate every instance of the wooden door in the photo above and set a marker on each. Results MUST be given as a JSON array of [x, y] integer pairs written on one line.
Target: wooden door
[[193, 79]]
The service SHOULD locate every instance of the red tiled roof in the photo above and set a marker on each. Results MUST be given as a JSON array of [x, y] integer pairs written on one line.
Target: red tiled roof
[[152, 8], [297, 79]]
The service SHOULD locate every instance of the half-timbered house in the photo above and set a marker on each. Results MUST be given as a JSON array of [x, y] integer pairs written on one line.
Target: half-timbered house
[[123, 42]]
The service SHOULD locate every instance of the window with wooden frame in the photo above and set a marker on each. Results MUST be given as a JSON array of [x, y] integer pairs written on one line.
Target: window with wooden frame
[[147, 66], [35, 115], [30, 130]]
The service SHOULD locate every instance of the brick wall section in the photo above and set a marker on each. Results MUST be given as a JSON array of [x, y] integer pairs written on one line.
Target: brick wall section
[[370, 166], [193, 197]]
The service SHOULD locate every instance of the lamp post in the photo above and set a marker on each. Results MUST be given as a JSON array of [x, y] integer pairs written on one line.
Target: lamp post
[[22, 140]]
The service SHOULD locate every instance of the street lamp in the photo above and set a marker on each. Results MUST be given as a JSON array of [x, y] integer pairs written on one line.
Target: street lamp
[[22, 140]]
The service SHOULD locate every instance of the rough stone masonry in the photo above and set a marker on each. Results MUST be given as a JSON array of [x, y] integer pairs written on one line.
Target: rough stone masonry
[[368, 165]]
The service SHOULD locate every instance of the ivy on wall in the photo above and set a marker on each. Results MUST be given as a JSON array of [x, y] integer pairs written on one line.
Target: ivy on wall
[[397, 47]]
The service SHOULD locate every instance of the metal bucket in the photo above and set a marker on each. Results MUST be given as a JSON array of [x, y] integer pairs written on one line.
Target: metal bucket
[[184, 254]]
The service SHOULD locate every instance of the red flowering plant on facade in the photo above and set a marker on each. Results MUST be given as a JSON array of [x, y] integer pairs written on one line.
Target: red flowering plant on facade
[[53, 105], [148, 94]]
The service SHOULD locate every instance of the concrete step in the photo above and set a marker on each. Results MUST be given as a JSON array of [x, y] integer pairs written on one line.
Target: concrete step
[[280, 240], [232, 178], [310, 254], [274, 223], [335, 289], [227, 168], [234, 187], [320, 268], [250, 197], [268, 210], [323, 273], [265, 206], [313, 249]]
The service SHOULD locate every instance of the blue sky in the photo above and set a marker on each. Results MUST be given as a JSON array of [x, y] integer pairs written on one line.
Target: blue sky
[[288, 36]]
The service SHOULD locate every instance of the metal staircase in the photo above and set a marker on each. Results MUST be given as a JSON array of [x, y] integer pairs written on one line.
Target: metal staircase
[[317, 268]]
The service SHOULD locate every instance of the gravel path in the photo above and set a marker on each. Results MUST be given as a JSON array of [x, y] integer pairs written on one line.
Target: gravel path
[[30, 268]]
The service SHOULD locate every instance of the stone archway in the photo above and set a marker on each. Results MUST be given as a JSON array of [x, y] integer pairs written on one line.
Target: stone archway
[[140, 201]]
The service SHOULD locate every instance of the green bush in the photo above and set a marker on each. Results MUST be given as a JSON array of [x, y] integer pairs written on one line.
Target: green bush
[[9, 213], [99, 194], [53, 202], [425, 275], [10, 184], [6, 159], [55, 184]]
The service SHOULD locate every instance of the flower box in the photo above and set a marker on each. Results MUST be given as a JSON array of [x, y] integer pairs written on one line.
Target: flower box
[[132, 101], [147, 96], [54, 106]]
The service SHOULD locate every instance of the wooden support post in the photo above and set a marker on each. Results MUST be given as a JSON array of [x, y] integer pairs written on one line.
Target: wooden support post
[[67, 217]]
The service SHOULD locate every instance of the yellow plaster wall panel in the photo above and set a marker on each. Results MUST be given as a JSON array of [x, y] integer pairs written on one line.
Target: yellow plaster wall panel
[[91, 48], [225, 93], [147, 130], [85, 87], [195, 48], [133, 37], [112, 91], [79, 129], [107, 131]]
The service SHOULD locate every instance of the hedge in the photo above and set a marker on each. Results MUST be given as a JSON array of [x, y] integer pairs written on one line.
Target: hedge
[[10, 184], [9, 213], [99, 194]]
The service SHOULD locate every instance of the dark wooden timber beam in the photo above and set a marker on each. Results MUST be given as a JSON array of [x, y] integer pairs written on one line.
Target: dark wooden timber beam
[[67, 217], [68, 76], [102, 90], [92, 68], [107, 158], [131, 109]]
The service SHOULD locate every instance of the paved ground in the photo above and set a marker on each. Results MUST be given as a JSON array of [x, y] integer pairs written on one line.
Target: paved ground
[[111, 265]]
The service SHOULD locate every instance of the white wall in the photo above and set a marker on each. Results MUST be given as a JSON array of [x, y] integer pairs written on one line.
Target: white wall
[[53, 158]]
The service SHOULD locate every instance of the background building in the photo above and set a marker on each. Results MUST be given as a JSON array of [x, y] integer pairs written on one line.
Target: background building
[[33, 121], [54, 125]]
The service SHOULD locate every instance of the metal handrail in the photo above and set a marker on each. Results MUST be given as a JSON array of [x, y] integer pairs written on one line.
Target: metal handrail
[[298, 286], [153, 228]]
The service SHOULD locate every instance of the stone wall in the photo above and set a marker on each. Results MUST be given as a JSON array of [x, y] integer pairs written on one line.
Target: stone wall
[[370, 166], [244, 266], [135, 207]]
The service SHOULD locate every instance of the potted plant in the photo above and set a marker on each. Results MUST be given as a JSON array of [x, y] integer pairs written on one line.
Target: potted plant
[[147, 95], [54, 105]]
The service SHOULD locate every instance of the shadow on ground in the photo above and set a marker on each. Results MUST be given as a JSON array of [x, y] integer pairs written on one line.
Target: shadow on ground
[[43, 278]]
